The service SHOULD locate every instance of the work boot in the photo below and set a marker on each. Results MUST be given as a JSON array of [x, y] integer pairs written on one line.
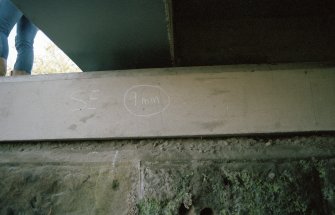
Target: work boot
[[18, 73], [3, 66]]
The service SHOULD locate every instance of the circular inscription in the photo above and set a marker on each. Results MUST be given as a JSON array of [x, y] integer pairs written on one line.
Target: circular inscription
[[146, 100]]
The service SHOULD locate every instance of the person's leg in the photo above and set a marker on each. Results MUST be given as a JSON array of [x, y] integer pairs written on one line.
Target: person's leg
[[24, 43], [9, 16]]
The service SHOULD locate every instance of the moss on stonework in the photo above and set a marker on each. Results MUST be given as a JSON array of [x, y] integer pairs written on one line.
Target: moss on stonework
[[299, 187], [115, 184], [150, 206], [181, 188]]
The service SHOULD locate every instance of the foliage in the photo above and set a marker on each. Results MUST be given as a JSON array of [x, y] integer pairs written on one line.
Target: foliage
[[290, 188], [182, 196], [149, 207], [53, 61]]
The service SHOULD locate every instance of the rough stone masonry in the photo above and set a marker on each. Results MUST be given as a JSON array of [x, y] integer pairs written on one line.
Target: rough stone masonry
[[235, 175]]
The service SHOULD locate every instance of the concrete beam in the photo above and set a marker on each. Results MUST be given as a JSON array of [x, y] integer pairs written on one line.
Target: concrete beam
[[199, 101]]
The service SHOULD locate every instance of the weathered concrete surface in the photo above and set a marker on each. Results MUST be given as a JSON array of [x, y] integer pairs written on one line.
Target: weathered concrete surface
[[261, 175], [198, 101]]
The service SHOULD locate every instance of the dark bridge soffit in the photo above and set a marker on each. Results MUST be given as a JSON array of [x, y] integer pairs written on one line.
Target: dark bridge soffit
[[105, 34], [128, 34]]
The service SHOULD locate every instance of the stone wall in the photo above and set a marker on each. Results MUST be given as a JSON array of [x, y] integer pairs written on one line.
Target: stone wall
[[245, 175]]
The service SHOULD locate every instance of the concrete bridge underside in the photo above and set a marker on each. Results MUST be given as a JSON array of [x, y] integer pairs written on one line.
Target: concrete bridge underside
[[245, 139]]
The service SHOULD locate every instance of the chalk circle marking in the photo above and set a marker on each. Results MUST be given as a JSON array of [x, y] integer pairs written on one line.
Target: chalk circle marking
[[146, 86]]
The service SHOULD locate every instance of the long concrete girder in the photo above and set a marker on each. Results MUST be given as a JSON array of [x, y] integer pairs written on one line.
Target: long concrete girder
[[198, 101]]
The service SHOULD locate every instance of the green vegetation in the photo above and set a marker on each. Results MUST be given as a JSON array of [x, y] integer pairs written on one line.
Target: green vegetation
[[53, 61], [300, 187], [150, 206], [169, 207]]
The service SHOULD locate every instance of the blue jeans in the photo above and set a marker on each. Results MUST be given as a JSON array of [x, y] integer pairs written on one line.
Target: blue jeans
[[25, 35]]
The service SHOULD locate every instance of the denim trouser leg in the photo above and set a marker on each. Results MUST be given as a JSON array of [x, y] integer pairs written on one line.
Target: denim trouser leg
[[26, 31], [24, 43], [9, 16]]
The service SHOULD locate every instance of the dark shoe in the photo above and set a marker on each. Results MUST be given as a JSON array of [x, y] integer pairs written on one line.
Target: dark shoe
[[3, 67], [18, 73]]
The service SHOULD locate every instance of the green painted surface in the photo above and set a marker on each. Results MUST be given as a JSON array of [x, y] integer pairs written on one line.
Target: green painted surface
[[105, 34], [131, 34]]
